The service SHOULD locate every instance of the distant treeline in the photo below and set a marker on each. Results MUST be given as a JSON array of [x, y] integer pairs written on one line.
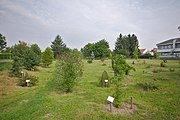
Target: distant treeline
[[5, 55]]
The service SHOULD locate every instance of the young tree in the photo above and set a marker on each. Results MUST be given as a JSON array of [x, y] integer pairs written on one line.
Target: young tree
[[136, 53], [58, 46], [3, 42], [47, 57], [67, 71]]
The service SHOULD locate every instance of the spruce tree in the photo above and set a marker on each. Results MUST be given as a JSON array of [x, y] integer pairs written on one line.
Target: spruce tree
[[58, 46]]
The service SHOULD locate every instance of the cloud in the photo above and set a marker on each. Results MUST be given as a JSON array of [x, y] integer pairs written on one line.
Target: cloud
[[83, 21]]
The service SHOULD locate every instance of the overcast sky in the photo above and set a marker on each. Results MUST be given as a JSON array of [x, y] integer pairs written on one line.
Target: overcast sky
[[80, 22]]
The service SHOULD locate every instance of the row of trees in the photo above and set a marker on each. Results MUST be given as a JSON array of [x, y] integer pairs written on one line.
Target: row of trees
[[126, 45]]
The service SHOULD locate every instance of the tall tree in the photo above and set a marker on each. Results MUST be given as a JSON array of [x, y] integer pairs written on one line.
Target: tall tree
[[126, 44], [37, 53], [101, 49], [58, 46], [88, 49], [3, 42]]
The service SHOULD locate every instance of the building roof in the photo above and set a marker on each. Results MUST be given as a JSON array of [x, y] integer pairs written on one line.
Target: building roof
[[154, 50], [142, 50], [169, 41]]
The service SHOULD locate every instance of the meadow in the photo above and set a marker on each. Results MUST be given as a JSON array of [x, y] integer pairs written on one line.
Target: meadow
[[88, 101]]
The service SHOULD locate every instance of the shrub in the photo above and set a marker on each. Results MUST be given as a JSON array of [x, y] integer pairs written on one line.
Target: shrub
[[102, 59], [148, 86], [163, 64], [118, 95], [33, 80], [171, 69], [104, 77], [165, 61], [104, 64], [89, 61]]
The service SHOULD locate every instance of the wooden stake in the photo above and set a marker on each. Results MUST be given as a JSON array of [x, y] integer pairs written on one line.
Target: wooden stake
[[131, 102], [110, 106]]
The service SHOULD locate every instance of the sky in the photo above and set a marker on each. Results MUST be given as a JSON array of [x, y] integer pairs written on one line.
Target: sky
[[80, 22]]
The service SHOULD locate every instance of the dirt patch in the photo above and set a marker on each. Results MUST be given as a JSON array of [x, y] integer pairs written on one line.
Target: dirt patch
[[124, 110]]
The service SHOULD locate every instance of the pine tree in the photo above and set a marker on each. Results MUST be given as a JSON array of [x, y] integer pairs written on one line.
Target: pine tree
[[58, 46], [3, 42]]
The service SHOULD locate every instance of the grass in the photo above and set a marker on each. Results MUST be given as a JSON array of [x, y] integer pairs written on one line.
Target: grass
[[88, 101]]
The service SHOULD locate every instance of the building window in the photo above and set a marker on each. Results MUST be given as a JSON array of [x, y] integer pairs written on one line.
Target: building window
[[177, 45]]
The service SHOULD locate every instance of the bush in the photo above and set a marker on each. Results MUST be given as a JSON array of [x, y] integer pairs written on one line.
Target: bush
[[171, 69], [33, 80], [104, 64], [118, 95], [89, 61], [148, 86], [165, 61], [163, 64], [104, 77]]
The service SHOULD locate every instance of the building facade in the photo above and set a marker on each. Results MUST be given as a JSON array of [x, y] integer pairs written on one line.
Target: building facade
[[169, 48]]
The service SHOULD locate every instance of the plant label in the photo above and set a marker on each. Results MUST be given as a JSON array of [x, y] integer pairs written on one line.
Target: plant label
[[105, 81], [27, 81], [110, 99]]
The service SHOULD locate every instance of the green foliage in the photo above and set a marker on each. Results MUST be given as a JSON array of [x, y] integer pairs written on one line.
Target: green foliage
[[37, 56], [3, 42], [87, 50], [146, 56], [148, 86], [68, 68], [171, 69], [26, 56], [120, 66], [58, 46], [16, 67], [47, 57], [165, 61], [136, 53], [99, 49], [5, 55], [157, 55], [126, 45], [118, 95], [104, 77], [163, 64], [33, 80], [89, 61]]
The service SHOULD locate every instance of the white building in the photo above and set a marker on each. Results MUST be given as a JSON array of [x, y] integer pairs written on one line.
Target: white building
[[169, 48]]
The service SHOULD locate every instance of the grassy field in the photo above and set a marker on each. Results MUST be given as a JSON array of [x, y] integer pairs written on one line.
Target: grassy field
[[88, 101]]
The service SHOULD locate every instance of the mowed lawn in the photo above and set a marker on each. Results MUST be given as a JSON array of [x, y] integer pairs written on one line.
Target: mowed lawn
[[88, 101]]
